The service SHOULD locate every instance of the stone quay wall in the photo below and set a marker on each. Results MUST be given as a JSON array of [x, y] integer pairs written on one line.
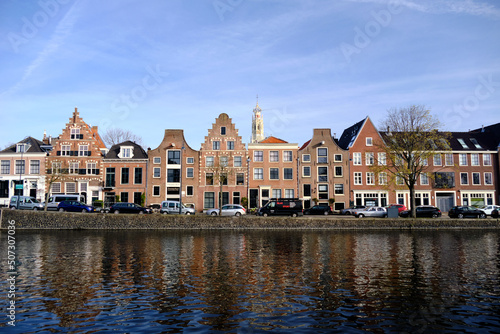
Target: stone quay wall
[[77, 221]]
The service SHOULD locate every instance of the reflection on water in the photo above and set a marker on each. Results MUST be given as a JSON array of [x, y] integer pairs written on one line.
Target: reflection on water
[[255, 281]]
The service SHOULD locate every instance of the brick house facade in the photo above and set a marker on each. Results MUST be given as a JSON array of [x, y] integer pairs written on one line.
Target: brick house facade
[[77, 156]]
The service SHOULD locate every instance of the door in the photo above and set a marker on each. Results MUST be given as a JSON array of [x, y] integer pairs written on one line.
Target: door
[[445, 201], [254, 194]]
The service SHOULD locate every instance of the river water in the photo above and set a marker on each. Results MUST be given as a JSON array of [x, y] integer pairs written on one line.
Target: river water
[[252, 282]]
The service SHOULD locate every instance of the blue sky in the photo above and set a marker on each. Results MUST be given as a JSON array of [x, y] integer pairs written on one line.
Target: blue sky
[[147, 66]]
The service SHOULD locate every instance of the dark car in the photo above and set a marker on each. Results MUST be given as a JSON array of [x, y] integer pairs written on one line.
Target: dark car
[[422, 212], [282, 207], [466, 212], [74, 206], [494, 213], [319, 210], [128, 208]]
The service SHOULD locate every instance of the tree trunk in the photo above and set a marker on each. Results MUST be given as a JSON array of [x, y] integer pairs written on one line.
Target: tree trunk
[[412, 201]]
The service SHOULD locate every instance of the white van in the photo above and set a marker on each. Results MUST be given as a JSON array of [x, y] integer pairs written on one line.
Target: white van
[[54, 200], [172, 207], [25, 203]]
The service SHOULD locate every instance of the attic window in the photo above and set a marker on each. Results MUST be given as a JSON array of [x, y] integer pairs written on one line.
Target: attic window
[[223, 130], [126, 152], [21, 148], [369, 141], [474, 141], [462, 142]]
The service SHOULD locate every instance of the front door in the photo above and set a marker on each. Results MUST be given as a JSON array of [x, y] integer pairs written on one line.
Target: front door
[[445, 201]]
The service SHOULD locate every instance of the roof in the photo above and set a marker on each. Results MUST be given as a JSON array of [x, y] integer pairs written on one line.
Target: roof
[[139, 152], [34, 146], [304, 145], [272, 140], [492, 133], [350, 134]]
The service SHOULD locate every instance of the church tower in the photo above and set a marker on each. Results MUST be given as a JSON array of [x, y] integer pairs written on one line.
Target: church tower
[[257, 124]]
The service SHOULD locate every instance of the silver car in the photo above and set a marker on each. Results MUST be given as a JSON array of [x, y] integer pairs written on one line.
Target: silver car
[[372, 211], [228, 210], [488, 208]]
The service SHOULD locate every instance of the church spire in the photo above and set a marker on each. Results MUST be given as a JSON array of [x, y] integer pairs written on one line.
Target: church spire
[[257, 124]]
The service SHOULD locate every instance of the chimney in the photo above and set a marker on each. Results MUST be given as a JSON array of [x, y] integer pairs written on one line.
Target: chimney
[[482, 128], [388, 130]]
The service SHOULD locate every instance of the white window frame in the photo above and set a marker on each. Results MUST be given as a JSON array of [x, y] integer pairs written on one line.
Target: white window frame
[[304, 168], [382, 158], [306, 158], [369, 141], [437, 159], [370, 178], [462, 159], [369, 158], [258, 156], [274, 156], [486, 178], [478, 177], [261, 174], [474, 159], [356, 159], [287, 156], [358, 178], [486, 159], [159, 174]]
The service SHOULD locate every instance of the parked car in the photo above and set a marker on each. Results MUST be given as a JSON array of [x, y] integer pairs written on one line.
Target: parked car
[[128, 208], [281, 206], [348, 211], [228, 210], [25, 203], [53, 202], [494, 213], [154, 207], [466, 212], [74, 206], [400, 207], [489, 208], [172, 207], [422, 211], [372, 211], [319, 210]]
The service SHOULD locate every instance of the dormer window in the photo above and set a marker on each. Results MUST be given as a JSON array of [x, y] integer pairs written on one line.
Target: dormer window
[[126, 152], [22, 148]]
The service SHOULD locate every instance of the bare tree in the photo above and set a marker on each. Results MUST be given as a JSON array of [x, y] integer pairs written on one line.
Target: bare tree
[[57, 172], [411, 140], [114, 136], [221, 171]]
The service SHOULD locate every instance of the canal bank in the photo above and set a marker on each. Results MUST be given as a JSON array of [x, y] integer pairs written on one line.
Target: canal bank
[[79, 221]]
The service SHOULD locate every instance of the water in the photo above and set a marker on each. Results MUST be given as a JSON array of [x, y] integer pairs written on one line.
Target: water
[[254, 281]]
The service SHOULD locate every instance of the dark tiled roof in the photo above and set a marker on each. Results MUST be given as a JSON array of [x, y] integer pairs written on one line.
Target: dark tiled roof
[[492, 135], [139, 152], [34, 146], [350, 134]]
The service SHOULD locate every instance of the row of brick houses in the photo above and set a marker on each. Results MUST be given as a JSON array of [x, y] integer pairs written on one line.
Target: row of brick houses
[[324, 169]]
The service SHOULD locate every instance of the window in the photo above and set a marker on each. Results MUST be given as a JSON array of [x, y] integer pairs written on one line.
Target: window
[[5, 167], [464, 178], [216, 145], [190, 160], [288, 173], [486, 159], [322, 155], [237, 161], [236, 197], [83, 151], [338, 171], [20, 167], [156, 160], [189, 191], [56, 167], [399, 180], [369, 141], [274, 156], [240, 179], [322, 174], [137, 198], [258, 156], [124, 196], [369, 158], [92, 168], [22, 148], [356, 158], [358, 179], [437, 160], [370, 178], [276, 193], [424, 161], [156, 190], [462, 142], [462, 159], [65, 150], [209, 200], [474, 159], [476, 144], [56, 188], [75, 134], [223, 161], [209, 161], [287, 156], [323, 191], [138, 175], [209, 179], [71, 187], [35, 167], [307, 190], [444, 179], [173, 175], [339, 189], [337, 157], [110, 177], [306, 158], [382, 158], [258, 173], [190, 172], [73, 167], [382, 178], [289, 193], [230, 145], [125, 176], [476, 179], [448, 159], [424, 179], [306, 171], [274, 173], [156, 172], [223, 130], [488, 179], [126, 152], [174, 157]]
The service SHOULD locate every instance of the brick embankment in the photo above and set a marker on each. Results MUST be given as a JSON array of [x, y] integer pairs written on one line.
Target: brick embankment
[[72, 221]]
